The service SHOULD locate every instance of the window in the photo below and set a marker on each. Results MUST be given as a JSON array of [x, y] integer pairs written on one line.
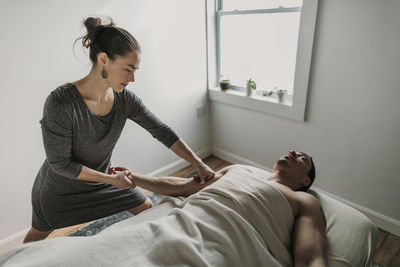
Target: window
[[258, 43], [269, 41]]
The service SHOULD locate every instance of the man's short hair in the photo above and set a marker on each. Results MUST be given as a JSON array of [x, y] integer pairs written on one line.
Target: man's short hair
[[311, 174]]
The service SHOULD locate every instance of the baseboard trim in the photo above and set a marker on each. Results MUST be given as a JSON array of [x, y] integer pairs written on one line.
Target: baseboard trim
[[235, 159], [16, 239], [382, 221]]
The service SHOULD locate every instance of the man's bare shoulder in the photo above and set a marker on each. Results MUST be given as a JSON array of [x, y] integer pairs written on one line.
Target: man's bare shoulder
[[310, 207], [307, 200], [298, 196], [299, 201]]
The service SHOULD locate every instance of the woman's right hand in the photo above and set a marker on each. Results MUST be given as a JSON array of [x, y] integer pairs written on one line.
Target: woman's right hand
[[121, 177]]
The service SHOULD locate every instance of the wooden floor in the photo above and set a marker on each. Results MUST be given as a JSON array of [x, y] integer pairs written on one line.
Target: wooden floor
[[387, 250]]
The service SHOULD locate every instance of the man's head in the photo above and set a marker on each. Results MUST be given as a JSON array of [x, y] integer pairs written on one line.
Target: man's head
[[296, 169]]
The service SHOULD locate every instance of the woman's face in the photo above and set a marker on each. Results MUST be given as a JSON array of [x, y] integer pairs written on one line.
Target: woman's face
[[121, 71]]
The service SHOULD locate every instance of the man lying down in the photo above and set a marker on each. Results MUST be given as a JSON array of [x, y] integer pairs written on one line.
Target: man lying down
[[244, 216]]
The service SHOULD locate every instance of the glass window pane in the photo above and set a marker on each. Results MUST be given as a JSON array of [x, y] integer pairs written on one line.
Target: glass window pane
[[259, 4], [260, 46]]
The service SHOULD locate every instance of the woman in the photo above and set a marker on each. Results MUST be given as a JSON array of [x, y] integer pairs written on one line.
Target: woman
[[81, 124]]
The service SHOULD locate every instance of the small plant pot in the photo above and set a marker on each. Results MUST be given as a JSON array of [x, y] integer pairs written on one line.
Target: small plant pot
[[250, 88], [281, 96], [224, 85]]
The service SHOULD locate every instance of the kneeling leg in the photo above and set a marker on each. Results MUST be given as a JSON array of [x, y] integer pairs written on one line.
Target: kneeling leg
[[35, 235], [142, 207]]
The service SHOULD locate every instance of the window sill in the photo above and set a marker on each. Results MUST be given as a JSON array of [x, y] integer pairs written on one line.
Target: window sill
[[268, 105]]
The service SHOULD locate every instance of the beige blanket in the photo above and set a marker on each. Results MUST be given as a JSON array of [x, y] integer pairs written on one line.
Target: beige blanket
[[240, 220]]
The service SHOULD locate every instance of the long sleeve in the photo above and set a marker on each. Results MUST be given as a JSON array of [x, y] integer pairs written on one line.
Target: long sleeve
[[57, 132], [146, 119]]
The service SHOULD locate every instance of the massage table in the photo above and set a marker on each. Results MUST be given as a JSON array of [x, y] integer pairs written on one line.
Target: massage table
[[240, 220]]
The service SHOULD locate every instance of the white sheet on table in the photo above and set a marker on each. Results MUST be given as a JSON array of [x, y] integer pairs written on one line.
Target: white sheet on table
[[238, 221]]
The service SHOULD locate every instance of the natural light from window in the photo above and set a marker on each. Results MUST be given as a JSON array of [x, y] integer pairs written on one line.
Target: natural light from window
[[262, 47], [259, 4], [268, 41]]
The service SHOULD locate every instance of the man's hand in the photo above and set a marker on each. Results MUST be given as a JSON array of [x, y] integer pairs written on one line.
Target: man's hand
[[122, 177], [205, 173]]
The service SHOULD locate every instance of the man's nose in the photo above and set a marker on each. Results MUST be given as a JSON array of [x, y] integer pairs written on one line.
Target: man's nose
[[293, 153]]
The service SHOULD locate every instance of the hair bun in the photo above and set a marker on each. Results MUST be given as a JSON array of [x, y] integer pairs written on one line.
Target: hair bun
[[103, 36], [94, 27], [91, 23]]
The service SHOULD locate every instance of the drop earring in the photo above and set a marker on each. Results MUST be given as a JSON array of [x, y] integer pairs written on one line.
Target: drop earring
[[104, 74]]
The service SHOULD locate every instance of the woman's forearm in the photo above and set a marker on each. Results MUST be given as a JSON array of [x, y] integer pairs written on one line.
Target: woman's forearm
[[91, 175], [204, 173], [184, 151]]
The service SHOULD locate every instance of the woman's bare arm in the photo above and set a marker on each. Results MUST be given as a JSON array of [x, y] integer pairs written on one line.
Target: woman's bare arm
[[184, 151]]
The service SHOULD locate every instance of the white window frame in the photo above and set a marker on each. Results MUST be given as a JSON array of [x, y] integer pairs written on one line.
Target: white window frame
[[293, 108]]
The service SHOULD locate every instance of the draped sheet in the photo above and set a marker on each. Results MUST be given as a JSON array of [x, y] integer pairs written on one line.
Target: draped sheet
[[240, 220]]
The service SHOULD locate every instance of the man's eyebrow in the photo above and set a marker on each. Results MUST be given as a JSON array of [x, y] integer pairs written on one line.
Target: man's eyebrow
[[133, 67]]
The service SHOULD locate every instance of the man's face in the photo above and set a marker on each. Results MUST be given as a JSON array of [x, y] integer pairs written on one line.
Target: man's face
[[295, 166]]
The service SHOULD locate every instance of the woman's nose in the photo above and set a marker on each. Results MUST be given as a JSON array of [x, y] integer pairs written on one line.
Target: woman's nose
[[132, 77]]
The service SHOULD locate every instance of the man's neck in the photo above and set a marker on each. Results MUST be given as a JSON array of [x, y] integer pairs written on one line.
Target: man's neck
[[278, 177]]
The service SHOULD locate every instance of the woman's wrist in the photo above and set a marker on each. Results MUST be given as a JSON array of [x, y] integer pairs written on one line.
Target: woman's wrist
[[107, 178], [185, 152], [91, 175], [197, 162]]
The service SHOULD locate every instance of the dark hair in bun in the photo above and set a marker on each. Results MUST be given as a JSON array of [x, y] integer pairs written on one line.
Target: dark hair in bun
[[107, 38]]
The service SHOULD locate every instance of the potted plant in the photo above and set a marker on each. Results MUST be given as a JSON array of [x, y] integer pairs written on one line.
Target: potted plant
[[225, 84], [280, 93], [268, 93], [251, 85]]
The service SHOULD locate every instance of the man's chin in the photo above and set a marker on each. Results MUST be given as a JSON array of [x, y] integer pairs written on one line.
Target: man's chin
[[283, 163]]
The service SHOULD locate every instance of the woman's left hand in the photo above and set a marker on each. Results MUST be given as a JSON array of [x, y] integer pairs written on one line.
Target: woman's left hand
[[116, 169], [205, 173]]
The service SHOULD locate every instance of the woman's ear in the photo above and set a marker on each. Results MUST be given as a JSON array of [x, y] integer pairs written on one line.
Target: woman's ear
[[102, 59]]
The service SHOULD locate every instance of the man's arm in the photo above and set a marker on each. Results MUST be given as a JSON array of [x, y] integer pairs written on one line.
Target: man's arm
[[168, 185], [173, 186], [309, 234]]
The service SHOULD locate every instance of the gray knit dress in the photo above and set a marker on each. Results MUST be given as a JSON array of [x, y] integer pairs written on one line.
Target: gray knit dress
[[73, 136]]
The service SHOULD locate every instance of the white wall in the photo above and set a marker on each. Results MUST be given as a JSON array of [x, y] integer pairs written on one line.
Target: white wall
[[36, 57], [352, 126], [172, 77]]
